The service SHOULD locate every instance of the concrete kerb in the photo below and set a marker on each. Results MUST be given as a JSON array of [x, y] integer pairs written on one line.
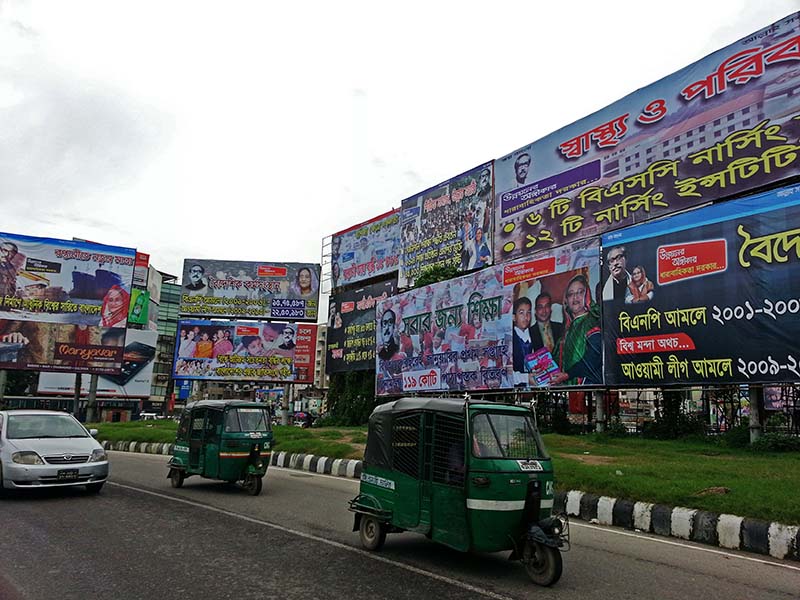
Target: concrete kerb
[[721, 530]]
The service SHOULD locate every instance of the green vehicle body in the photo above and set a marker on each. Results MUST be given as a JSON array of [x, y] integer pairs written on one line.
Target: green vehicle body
[[496, 503], [228, 440]]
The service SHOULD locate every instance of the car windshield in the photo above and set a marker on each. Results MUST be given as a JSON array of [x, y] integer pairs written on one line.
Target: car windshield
[[246, 419], [43, 426], [497, 435]]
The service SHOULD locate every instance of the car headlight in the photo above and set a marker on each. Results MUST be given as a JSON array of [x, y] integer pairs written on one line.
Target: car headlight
[[27, 458], [98, 455]]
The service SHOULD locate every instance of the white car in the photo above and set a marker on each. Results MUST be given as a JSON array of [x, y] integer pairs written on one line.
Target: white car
[[45, 448]]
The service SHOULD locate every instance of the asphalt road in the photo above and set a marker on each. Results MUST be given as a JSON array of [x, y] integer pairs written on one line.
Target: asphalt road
[[141, 539]]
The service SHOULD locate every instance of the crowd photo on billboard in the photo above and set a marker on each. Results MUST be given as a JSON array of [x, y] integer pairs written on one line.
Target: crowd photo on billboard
[[63, 304], [526, 324], [250, 290], [244, 350], [367, 250]]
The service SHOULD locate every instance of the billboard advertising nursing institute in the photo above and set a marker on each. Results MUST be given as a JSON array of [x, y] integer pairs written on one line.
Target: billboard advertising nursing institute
[[250, 290], [525, 324], [449, 224], [63, 304], [245, 351], [720, 127], [706, 297], [350, 342], [367, 250]]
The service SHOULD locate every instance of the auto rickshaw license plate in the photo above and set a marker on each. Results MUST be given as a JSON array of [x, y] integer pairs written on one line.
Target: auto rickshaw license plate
[[67, 474], [530, 465]]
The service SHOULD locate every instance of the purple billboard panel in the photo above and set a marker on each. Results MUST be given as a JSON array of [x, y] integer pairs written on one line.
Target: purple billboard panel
[[367, 250], [525, 324], [713, 130], [448, 224]]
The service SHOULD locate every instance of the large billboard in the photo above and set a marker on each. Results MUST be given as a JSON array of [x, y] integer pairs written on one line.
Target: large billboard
[[719, 127], [63, 304], [250, 290], [245, 351], [448, 224], [350, 341], [367, 250], [133, 381], [525, 324], [710, 296]]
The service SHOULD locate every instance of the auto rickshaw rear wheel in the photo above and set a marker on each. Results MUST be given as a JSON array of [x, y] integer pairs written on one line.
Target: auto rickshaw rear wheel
[[542, 563], [372, 533], [176, 478], [252, 485]]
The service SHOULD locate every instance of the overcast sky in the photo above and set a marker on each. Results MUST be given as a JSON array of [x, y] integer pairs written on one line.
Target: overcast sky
[[251, 130]]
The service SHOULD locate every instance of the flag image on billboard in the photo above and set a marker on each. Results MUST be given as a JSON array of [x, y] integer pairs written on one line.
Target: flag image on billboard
[[350, 340], [133, 381], [63, 304], [525, 324], [367, 250], [245, 351], [709, 296], [250, 290], [715, 129], [448, 224]]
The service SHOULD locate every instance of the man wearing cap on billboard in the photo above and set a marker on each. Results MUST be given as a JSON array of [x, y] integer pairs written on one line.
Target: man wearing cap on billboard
[[288, 338], [197, 285], [8, 272]]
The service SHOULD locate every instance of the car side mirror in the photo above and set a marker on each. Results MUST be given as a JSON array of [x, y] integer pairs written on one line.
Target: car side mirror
[[93, 432]]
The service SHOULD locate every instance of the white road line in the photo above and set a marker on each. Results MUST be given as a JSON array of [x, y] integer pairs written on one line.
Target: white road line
[[647, 537], [454, 582]]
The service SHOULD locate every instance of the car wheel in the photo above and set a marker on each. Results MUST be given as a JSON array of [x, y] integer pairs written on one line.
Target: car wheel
[[542, 563], [372, 533], [176, 478], [2, 489], [94, 488], [252, 485]]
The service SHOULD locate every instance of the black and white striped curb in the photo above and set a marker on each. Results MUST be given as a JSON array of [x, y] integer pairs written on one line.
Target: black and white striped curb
[[721, 530]]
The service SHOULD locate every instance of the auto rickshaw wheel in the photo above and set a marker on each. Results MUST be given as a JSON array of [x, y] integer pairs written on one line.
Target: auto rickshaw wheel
[[542, 563], [176, 478], [252, 485], [372, 533]]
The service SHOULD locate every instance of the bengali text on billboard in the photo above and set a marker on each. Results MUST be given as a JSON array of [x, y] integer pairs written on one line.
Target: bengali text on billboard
[[250, 290], [719, 127], [245, 351], [350, 340], [525, 324], [706, 297], [367, 250]]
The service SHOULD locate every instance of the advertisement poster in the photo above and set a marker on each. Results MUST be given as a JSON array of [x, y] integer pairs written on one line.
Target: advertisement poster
[[139, 307], [133, 381], [449, 224], [366, 250], [706, 297], [719, 127], [525, 324], [245, 351], [154, 282], [351, 327], [140, 269], [63, 304], [250, 290]]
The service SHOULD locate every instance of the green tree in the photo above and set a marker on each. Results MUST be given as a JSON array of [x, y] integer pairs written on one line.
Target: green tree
[[435, 274], [351, 397]]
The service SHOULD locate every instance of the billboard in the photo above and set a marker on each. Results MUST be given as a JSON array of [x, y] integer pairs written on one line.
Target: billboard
[[133, 381], [350, 342], [140, 269], [245, 351], [250, 290], [448, 224], [139, 307], [525, 324], [60, 302], [719, 127], [367, 250], [710, 296], [154, 282]]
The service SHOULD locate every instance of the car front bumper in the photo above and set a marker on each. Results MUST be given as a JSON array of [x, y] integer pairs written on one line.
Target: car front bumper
[[16, 476]]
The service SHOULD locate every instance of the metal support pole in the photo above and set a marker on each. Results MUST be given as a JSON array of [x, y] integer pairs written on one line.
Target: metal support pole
[[76, 400], [3, 375], [287, 390], [91, 403], [756, 403], [600, 411]]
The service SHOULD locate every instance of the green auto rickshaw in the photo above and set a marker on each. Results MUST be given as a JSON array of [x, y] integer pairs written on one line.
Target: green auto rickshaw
[[229, 440], [474, 476]]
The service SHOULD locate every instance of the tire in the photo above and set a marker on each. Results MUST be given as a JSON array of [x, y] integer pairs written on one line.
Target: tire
[[253, 484], [176, 478], [94, 488], [3, 491], [372, 533], [542, 563]]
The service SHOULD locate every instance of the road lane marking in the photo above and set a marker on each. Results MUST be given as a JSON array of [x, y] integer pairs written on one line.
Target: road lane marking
[[454, 582]]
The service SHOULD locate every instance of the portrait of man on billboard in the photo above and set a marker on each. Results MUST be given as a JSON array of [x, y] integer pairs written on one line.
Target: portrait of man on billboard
[[197, 284]]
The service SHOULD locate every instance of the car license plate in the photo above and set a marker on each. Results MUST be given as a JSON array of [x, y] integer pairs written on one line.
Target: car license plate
[[67, 474]]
